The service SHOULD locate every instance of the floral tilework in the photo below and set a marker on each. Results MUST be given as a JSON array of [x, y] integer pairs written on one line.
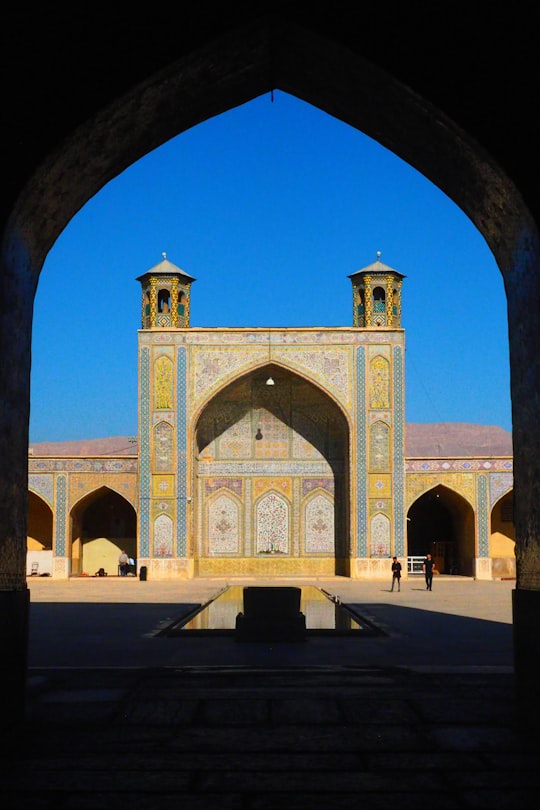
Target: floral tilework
[[60, 538], [272, 524], [163, 447], [398, 455], [181, 453], [361, 472], [163, 536], [42, 485], [499, 485], [223, 525], [144, 453], [380, 536], [319, 523]]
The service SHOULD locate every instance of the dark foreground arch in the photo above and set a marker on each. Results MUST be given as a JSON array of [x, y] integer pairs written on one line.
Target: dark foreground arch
[[85, 102]]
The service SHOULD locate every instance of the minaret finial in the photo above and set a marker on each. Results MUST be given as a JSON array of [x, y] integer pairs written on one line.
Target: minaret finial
[[164, 255], [378, 255]]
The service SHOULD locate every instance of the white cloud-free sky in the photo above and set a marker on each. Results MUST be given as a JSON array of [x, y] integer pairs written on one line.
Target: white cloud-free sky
[[270, 207]]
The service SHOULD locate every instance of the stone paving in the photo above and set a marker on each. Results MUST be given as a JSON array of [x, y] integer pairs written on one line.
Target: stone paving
[[422, 716]]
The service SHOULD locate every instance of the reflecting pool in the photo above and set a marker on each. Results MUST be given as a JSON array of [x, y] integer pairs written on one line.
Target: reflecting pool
[[324, 614]]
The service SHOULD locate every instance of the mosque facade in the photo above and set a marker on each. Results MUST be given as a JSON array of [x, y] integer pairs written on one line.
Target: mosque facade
[[270, 452]]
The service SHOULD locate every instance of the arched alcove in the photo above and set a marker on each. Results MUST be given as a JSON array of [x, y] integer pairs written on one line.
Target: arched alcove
[[40, 524], [103, 523], [441, 522], [39, 558], [502, 540]]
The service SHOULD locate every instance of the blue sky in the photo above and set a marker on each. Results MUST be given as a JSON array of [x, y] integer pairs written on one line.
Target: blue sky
[[270, 207]]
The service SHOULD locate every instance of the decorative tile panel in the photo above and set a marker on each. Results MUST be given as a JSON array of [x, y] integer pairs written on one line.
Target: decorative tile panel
[[463, 483], [212, 367], [331, 369], [144, 452], [223, 525], [181, 454], [361, 471], [61, 516], [163, 536], [499, 485], [281, 485], [163, 447], [380, 536], [380, 505], [42, 485], [82, 484], [380, 486], [310, 484], [163, 383], [162, 486], [503, 464], [398, 454], [272, 524], [310, 468], [319, 525], [80, 464], [483, 517], [379, 447], [212, 485], [379, 383]]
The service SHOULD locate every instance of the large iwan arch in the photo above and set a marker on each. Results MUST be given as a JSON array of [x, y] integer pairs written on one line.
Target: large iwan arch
[[264, 446]]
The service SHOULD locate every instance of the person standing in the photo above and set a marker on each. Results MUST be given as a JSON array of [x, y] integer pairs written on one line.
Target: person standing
[[123, 562], [427, 567], [396, 573]]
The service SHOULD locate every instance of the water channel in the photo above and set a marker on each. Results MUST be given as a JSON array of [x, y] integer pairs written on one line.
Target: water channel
[[324, 613]]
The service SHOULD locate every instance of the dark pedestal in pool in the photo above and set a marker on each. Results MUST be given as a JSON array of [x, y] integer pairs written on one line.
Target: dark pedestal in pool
[[271, 614]]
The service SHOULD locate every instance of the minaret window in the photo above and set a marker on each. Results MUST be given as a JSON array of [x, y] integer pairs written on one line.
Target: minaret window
[[182, 304], [379, 300], [164, 301]]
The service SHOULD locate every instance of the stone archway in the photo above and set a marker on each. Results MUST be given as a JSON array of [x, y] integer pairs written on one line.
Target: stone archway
[[220, 68], [253, 61]]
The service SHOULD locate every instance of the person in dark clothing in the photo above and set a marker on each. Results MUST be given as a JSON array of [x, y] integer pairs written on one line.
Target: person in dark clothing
[[427, 568], [396, 573]]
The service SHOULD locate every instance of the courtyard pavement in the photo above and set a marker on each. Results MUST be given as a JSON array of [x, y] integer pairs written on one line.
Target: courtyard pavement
[[118, 715]]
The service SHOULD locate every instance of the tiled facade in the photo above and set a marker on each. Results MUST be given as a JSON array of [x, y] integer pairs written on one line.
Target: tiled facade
[[270, 451]]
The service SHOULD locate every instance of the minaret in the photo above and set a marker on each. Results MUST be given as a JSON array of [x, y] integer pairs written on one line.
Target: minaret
[[165, 296], [162, 524], [377, 296]]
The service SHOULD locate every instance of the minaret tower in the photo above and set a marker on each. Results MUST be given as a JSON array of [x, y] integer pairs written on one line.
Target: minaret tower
[[379, 477], [163, 428], [165, 296], [377, 296]]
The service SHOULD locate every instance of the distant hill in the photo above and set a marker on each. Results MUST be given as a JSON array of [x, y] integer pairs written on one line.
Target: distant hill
[[454, 439], [115, 446], [439, 439]]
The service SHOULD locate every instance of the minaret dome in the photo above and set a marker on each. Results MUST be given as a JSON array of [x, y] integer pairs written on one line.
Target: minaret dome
[[377, 296], [166, 294]]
